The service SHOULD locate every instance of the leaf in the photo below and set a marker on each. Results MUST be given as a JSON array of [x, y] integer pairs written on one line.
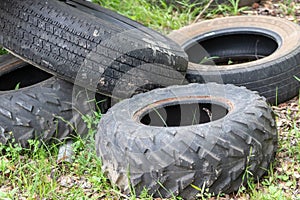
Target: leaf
[[4, 196], [207, 59], [289, 184], [17, 86], [283, 177], [196, 187], [230, 62]]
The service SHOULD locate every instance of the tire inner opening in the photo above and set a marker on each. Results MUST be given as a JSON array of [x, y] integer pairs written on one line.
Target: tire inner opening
[[229, 49], [103, 103], [22, 77], [184, 114]]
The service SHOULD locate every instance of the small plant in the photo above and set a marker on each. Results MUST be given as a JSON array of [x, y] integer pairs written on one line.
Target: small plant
[[247, 176], [204, 192], [231, 8], [208, 60], [3, 51], [230, 62], [92, 120], [235, 9], [17, 86]]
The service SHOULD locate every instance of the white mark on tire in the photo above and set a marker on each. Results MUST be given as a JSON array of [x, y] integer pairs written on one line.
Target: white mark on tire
[[47, 63], [209, 34], [96, 33]]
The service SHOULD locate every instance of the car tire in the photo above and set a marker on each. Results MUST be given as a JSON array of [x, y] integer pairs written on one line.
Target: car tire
[[244, 39], [101, 51]]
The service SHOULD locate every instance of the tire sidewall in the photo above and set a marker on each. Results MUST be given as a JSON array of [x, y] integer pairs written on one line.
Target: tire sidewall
[[287, 31]]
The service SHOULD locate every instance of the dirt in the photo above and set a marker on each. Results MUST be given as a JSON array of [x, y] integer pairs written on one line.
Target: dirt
[[286, 173], [289, 9], [288, 120], [288, 113]]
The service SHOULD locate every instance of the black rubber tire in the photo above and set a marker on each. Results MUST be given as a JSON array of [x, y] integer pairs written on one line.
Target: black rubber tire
[[41, 108], [272, 76], [98, 50], [168, 160]]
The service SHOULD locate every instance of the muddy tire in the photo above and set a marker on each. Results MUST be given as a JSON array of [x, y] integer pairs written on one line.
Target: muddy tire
[[108, 53], [167, 140], [35, 105], [264, 54]]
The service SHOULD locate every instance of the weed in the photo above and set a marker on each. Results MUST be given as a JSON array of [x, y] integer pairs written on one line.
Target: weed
[[203, 191], [92, 120], [208, 60], [247, 176], [234, 9], [229, 9], [155, 14], [17, 86], [33, 172], [3, 51]]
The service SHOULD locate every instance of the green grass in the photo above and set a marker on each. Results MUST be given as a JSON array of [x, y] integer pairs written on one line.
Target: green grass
[[232, 8], [3, 51], [155, 14], [33, 173]]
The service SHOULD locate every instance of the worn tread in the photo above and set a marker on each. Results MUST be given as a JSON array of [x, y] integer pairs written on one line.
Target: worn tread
[[214, 154], [35, 112], [59, 38]]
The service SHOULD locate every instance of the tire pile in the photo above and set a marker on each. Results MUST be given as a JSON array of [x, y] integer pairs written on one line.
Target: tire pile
[[175, 121]]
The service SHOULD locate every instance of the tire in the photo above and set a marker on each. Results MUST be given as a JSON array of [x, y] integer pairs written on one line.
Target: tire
[[41, 108], [100, 51], [134, 143], [272, 75]]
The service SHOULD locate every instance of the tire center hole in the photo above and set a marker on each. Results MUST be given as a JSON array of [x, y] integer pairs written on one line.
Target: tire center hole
[[183, 114], [231, 48], [22, 77]]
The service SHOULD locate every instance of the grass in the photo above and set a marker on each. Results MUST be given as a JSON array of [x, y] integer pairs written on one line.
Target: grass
[[33, 173], [230, 9], [3, 51], [156, 14]]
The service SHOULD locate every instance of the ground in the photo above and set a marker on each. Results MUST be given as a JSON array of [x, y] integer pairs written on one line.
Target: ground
[[33, 173]]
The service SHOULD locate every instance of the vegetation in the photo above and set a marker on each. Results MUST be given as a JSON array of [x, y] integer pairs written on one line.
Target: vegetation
[[2, 51], [33, 173], [155, 14]]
